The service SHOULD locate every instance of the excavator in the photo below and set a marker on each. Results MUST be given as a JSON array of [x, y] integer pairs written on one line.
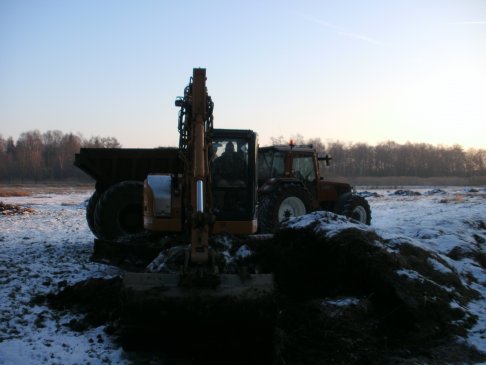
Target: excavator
[[199, 203], [211, 192], [214, 271]]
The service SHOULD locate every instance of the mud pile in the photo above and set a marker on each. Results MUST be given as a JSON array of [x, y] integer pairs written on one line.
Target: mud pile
[[321, 255], [402, 192], [14, 209], [344, 296]]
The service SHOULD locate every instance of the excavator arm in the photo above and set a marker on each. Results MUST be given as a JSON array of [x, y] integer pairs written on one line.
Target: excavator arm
[[198, 177]]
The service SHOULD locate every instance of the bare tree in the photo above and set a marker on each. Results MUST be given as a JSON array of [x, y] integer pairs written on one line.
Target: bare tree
[[393, 159], [52, 149], [275, 141], [3, 158], [49, 155], [70, 145], [102, 142], [29, 154]]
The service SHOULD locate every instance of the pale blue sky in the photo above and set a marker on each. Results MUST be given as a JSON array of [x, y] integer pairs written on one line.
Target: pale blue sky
[[355, 71]]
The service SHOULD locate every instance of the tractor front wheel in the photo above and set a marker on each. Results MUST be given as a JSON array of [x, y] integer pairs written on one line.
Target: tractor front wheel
[[284, 202]]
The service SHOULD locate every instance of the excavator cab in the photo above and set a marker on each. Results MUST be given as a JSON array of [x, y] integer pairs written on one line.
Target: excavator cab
[[232, 197], [232, 165]]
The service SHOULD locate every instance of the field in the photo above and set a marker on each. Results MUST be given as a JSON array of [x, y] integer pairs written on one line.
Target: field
[[49, 248]]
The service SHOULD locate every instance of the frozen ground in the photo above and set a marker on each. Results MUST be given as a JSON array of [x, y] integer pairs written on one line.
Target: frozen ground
[[51, 248]]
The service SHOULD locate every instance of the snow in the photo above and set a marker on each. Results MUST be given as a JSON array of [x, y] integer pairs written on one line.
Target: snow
[[343, 302], [50, 248], [412, 275], [441, 221], [243, 252], [327, 223], [439, 266], [39, 253]]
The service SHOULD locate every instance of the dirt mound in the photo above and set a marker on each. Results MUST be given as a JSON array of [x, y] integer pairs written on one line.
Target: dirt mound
[[414, 290], [132, 254], [436, 191], [402, 192], [14, 209], [344, 295], [98, 298], [369, 300], [368, 194]]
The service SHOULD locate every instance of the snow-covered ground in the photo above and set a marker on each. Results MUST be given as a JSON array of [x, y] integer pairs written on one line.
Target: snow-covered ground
[[445, 221], [50, 248], [39, 253]]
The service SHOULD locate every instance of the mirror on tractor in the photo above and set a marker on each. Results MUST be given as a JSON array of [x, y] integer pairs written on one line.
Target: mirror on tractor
[[326, 158]]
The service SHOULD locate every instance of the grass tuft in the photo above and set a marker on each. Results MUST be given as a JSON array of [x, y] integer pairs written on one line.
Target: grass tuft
[[9, 193]]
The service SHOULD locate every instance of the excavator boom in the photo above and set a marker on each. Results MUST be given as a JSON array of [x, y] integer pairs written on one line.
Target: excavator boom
[[199, 169]]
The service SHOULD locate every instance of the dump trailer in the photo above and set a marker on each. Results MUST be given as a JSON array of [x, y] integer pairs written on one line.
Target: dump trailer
[[108, 166], [115, 209]]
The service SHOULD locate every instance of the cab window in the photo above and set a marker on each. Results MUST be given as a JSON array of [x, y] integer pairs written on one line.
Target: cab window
[[230, 163], [303, 168], [271, 164]]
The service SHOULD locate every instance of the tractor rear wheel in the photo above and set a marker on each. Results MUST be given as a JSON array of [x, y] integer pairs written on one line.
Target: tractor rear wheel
[[119, 212], [355, 207], [284, 202]]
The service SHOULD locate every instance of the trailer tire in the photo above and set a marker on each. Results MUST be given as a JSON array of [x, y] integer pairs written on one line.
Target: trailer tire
[[119, 212], [284, 202], [90, 211], [355, 207]]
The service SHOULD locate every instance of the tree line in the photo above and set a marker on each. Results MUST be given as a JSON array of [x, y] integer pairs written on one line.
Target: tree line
[[393, 159], [37, 156]]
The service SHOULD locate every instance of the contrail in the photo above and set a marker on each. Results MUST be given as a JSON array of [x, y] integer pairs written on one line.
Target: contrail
[[341, 31]]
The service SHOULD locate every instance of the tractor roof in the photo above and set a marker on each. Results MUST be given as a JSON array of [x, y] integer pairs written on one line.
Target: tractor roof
[[308, 148]]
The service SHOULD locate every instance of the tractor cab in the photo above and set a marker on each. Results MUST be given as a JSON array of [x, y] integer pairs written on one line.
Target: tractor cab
[[288, 162]]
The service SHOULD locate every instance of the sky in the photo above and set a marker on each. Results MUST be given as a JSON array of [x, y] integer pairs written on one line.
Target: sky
[[350, 71]]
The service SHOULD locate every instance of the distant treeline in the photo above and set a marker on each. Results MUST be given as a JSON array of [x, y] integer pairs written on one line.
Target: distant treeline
[[37, 156], [392, 159]]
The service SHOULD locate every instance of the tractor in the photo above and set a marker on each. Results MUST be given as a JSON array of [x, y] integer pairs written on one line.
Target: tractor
[[290, 185]]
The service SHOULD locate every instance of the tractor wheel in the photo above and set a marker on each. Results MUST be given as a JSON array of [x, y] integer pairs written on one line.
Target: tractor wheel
[[284, 202], [119, 212], [90, 210], [355, 207]]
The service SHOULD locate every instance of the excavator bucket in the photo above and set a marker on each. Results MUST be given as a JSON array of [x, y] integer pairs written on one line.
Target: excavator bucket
[[226, 312]]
